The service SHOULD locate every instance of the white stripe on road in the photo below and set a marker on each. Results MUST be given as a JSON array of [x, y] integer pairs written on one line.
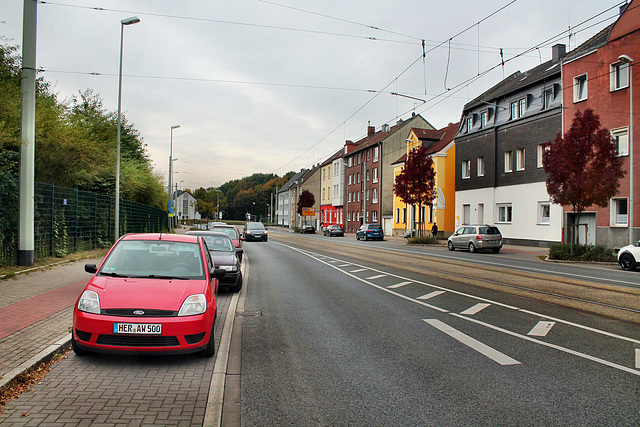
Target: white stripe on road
[[541, 329], [345, 265], [475, 309], [379, 276], [358, 270], [398, 285], [431, 295], [484, 349], [638, 358]]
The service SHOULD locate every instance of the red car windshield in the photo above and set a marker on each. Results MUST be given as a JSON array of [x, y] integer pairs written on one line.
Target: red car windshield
[[154, 258]]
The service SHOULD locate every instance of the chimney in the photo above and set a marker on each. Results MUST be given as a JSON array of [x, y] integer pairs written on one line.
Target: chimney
[[371, 130], [558, 51]]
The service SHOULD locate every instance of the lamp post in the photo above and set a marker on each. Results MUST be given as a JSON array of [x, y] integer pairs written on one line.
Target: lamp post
[[217, 218], [627, 60], [169, 190], [128, 21]]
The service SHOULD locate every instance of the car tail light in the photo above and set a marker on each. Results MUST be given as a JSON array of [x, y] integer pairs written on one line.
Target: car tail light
[[479, 237]]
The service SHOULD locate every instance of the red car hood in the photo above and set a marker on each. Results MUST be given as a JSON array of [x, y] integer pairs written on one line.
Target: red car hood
[[159, 294]]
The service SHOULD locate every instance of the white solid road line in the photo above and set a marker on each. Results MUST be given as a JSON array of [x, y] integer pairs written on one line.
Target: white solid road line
[[541, 329], [473, 343], [475, 309]]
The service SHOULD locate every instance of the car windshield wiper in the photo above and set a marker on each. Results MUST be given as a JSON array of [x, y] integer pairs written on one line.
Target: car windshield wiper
[[105, 273], [160, 276]]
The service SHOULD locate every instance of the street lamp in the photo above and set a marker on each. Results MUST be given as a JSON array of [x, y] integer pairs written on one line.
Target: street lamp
[[169, 191], [128, 21], [627, 60], [217, 218]]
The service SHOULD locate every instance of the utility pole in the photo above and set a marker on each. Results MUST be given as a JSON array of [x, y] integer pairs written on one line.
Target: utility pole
[[26, 240]]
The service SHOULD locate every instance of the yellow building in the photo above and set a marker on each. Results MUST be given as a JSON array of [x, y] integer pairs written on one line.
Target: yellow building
[[441, 149]]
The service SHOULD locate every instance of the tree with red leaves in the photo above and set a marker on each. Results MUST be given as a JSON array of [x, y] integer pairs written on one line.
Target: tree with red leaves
[[306, 200], [583, 168], [415, 184]]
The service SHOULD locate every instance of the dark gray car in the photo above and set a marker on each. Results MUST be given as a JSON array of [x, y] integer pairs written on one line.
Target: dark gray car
[[224, 255], [475, 237]]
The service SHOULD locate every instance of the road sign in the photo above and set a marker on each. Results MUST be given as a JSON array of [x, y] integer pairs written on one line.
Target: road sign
[[170, 210], [308, 211]]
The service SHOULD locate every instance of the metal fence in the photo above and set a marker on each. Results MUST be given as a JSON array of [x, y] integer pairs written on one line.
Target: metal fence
[[68, 220]]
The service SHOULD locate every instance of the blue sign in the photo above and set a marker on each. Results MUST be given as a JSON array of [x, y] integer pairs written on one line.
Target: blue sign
[[170, 209]]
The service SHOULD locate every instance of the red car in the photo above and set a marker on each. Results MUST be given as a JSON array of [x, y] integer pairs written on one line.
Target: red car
[[152, 293], [233, 233]]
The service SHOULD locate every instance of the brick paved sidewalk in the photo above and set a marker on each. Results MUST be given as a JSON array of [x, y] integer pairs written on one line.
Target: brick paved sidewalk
[[36, 314]]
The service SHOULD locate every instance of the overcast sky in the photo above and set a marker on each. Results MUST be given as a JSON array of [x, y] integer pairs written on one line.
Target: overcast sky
[[274, 86]]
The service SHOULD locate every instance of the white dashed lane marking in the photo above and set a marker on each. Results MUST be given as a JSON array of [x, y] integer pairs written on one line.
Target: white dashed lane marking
[[358, 270], [398, 285], [475, 309], [541, 329], [379, 276], [430, 295]]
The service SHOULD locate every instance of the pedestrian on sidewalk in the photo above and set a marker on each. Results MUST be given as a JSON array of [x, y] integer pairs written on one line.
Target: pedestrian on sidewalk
[[434, 230]]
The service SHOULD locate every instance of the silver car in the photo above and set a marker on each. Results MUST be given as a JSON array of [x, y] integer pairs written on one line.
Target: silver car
[[474, 237]]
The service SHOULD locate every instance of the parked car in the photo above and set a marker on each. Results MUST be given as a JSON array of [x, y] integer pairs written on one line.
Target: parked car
[[474, 237], [151, 293], [224, 255], [370, 232], [255, 231], [233, 233], [629, 256], [307, 229], [333, 230]]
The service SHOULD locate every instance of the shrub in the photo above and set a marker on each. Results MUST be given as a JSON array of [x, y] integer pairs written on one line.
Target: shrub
[[564, 252], [424, 240]]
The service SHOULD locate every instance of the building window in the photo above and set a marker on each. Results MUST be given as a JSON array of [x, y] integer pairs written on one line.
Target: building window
[[518, 108], [539, 154], [368, 155], [620, 212], [480, 166], [367, 195], [544, 212], [619, 76], [547, 99], [466, 169], [483, 119], [505, 212], [367, 175], [375, 154], [374, 216], [621, 138], [374, 195], [349, 180], [397, 215], [469, 123], [580, 88], [375, 175], [508, 161], [350, 161], [520, 159]]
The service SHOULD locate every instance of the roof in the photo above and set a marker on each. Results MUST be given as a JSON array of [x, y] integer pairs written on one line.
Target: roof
[[292, 181], [516, 81], [339, 154], [381, 135], [434, 140], [591, 45]]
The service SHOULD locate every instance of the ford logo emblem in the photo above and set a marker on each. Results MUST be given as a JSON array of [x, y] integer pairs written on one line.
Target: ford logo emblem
[[138, 312]]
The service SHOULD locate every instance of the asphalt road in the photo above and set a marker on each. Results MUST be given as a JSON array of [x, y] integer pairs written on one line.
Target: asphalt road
[[339, 338]]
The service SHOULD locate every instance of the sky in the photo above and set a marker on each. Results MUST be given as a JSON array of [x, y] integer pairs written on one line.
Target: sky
[[261, 86]]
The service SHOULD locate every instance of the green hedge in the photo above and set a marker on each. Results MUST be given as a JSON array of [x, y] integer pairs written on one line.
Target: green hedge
[[568, 252]]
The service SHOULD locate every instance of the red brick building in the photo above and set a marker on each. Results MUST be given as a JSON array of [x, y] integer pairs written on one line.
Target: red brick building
[[596, 75]]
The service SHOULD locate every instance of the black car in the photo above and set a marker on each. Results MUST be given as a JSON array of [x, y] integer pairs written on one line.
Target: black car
[[334, 230], [225, 256], [255, 231], [308, 229]]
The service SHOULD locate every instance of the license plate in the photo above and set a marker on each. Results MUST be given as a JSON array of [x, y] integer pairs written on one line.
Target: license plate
[[138, 328], [492, 242]]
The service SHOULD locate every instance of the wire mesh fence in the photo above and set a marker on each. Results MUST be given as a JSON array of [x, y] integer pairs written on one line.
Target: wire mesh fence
[[68, 220]]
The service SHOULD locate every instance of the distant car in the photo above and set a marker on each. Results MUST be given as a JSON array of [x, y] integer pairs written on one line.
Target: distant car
[[333, 230], [475, 237], [629, 256], [224, 255], [152, 293], [215, 223], [255, 231], [233, 233], [308, 229], [370, 232]]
